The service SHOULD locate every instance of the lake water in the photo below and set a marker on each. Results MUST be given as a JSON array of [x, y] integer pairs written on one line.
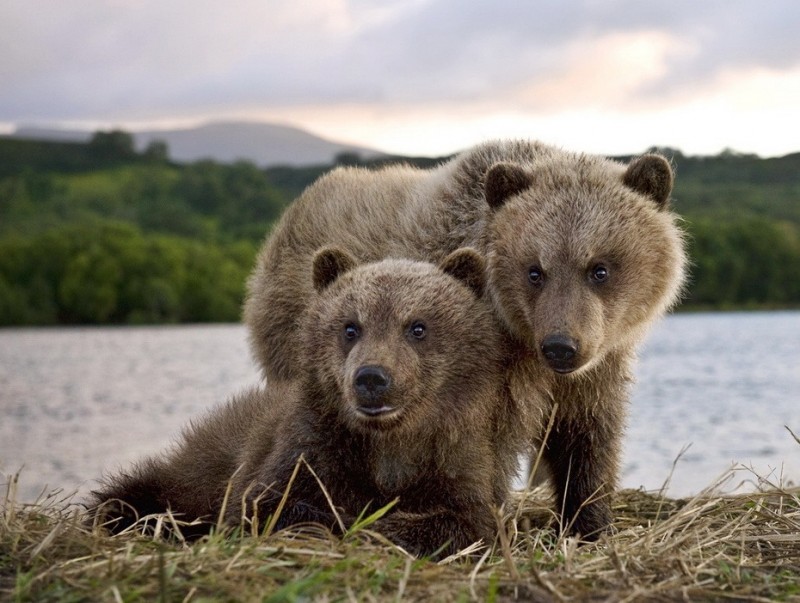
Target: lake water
[[75, 403]]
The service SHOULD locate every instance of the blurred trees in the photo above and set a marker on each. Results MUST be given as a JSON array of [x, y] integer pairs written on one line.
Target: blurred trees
[[99, 233], [116, 144], [110, 272], [744, 263]]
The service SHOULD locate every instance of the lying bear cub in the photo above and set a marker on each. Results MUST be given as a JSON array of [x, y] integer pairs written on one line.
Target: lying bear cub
[[402, 398]]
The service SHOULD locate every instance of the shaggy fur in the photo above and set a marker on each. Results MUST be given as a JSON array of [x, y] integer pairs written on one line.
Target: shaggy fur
[[191, 478], [432, 435], [597, 237]]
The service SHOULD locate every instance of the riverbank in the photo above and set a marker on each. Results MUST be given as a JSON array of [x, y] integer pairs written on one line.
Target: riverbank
[[745, 547]]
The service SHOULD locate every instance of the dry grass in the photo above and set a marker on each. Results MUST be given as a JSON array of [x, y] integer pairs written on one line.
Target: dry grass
[[711, 547]]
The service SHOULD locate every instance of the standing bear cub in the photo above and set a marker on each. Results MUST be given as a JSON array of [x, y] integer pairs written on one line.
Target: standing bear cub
[[583, 255], [402, 397]]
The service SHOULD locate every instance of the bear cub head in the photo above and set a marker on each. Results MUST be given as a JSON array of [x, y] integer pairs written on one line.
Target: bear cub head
[[408, 347], [584, 253]]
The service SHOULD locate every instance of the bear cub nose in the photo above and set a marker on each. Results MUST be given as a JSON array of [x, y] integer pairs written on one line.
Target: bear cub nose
[[560, 351], [371, 383]]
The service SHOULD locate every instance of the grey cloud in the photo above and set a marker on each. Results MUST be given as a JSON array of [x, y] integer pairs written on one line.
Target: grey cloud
[[111, 59], [447, 43], [730, 35]]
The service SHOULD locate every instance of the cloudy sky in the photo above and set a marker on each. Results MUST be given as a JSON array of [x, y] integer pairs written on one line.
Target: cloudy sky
[[423, 77]]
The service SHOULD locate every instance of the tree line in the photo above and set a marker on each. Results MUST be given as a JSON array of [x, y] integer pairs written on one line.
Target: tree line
[[110, 272], [108, 235]]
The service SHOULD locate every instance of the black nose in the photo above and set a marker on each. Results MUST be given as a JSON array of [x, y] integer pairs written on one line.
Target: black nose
[[560, 352], [372, 382]]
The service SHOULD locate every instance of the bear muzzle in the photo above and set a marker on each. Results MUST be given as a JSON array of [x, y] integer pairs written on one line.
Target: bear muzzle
[[372, 384], [560, 352]]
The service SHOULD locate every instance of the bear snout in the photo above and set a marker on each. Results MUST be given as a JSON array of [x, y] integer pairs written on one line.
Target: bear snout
[[560, 352], [371, 384]]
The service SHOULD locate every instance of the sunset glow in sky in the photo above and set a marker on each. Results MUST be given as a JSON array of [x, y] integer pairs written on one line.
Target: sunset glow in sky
[[419, 77]]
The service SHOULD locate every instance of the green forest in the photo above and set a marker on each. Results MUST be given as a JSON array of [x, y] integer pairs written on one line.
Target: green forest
[[98, 233]]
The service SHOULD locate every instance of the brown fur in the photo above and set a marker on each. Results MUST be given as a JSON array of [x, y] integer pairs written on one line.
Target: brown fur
[[191, 478], [523, 204], [437, 452], [567, 225], [435, 442]]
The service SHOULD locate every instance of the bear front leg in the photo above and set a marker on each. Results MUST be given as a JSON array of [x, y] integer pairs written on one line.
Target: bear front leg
[[261, 499], [437, 533], [261, 505], [582, 454]]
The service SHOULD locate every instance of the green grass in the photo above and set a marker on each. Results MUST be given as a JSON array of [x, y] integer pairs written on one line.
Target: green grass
[[713, 546]]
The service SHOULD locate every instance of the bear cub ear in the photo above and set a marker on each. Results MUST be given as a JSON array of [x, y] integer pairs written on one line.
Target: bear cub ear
[[468, 266], [650, 175], [330, 263], [503, 180]]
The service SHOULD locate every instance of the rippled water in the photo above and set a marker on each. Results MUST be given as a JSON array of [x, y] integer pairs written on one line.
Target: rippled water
[[75, 403], [726, 385]]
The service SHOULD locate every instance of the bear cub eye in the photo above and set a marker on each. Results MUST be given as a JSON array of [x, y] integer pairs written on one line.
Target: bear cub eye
[[351, 331], [417, 330], [599, 273], [535, 275]]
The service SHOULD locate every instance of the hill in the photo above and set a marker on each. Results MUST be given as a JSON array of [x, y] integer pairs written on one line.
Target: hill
[[261, 143]]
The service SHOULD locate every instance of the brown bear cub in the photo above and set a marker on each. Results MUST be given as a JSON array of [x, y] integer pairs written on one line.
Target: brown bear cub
[[402, 397], [583, 256]]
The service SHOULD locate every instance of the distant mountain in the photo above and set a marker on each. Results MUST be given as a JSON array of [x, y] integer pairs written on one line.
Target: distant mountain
[[262, 143], [50, 134]]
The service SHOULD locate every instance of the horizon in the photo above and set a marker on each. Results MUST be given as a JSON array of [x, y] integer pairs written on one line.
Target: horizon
[[89, 129], [418, 77]]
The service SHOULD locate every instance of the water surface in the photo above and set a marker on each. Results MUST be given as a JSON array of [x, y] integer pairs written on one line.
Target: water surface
[[723, 384], [75, 403]]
